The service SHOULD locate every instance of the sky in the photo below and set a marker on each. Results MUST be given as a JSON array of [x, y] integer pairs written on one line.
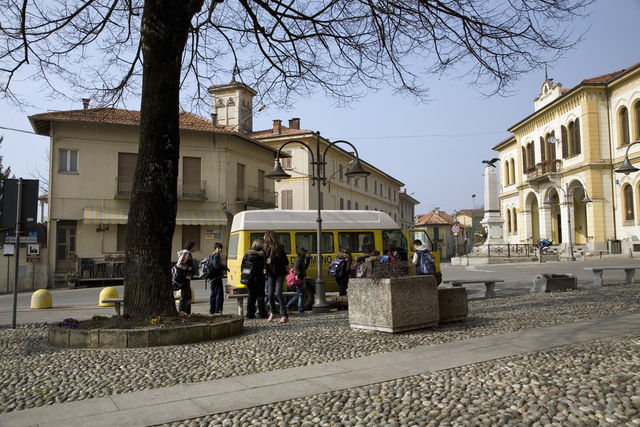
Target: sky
[[434, 148]]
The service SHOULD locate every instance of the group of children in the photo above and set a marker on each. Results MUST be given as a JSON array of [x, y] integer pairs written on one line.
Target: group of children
[[264, 267]]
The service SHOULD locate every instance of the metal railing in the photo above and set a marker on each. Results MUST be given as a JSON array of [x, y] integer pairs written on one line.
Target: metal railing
[[543, 168], [187, 190], [257, 196], [504, 250]]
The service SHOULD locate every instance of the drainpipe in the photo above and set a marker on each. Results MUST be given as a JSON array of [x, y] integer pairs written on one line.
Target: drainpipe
[[611, 171]]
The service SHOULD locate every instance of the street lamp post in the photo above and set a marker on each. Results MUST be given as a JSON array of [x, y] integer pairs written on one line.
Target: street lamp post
[[318, 174], [626, 167], [568, 195]]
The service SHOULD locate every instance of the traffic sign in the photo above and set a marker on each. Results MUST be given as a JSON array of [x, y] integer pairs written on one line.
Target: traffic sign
[[455, 228]]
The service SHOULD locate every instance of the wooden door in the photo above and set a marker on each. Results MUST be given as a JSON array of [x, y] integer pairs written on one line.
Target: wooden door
[[66, 247]]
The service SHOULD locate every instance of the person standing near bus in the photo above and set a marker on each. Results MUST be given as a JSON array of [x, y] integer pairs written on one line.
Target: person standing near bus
[[300, 266], [218, 270], [343, 279], [187, 263], [253, 262], [276, 268]]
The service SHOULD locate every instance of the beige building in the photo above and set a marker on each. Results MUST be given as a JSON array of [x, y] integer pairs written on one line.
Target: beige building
[[567, 148], [438, 225], [92, 162]]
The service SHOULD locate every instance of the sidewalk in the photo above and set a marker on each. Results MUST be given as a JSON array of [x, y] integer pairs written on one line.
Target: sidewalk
[[182, 402]]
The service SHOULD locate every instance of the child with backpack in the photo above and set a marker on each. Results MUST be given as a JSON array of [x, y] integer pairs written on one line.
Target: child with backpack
[[424, 261], [342, 275], [252, 275], [300, 266], [186, 263]]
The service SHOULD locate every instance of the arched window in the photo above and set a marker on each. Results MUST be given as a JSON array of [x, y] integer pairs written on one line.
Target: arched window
[[565, 142], [508, 218], [623, 126], [627, 194], [636, 114], [513, 171], [551, 147], [543, 150], [577, 146], [524, 160], [506, 174], [514, 220]]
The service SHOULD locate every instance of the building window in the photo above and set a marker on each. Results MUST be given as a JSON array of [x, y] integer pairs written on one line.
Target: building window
[[286, 199], [286, 161], [260, 181], [340, 176], [375, 187], [636, 115], [356, 206], [366, 178], [436, 234], [341, 203], [512, 169], [508, 218], [240, 181], [506, 174], [623, 126], [627, 192], [565, 142], [524, 159], [126, 171], [574, 138], [191, 176], [514, 220], [381, 192], [366, 207], [191, 232], [348, 205], [121, 243], [68, 161]]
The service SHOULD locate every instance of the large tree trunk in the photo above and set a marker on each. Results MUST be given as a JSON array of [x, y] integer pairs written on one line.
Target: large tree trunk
[[152, 214]]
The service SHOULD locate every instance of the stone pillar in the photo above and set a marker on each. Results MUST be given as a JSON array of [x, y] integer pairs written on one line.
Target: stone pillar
[[546, 228], [492, 220]]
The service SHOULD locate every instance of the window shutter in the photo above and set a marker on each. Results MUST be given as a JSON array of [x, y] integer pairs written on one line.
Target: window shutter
[[576, 137], [565, 146]]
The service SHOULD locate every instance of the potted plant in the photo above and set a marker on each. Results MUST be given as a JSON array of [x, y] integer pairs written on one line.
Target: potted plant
[[72, 279]]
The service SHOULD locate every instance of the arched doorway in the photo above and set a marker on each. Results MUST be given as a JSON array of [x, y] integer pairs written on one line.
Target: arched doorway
[[581, 232], [534, 214]]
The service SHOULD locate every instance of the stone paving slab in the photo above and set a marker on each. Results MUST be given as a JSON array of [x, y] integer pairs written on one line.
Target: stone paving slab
[[192, 400]]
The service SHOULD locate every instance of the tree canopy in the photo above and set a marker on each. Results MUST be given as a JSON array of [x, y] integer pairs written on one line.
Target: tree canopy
[[170, 51]]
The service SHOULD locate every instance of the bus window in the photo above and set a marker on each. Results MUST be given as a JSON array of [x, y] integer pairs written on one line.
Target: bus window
[[395, 240], [232, 252], [423, 237], [356, 241], [284, 238], [308, 240]]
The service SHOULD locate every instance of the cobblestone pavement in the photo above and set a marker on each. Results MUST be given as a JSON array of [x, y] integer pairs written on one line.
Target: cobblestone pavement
[[590, 384], [33, 374]]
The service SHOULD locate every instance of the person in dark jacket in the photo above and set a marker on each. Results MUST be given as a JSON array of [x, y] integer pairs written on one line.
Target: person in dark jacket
[[218, 270], [186, 262], [254, 261], [343, 279], [300, 266], [277, 265]]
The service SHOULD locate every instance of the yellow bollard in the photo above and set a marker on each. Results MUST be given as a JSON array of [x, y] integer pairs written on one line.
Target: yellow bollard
[[41, 299], [108, 292]]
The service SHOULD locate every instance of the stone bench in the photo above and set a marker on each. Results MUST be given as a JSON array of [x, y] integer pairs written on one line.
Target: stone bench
[[629, 270], [489, 284]]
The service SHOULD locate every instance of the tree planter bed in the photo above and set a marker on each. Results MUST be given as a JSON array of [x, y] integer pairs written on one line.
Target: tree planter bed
[[152, 336]]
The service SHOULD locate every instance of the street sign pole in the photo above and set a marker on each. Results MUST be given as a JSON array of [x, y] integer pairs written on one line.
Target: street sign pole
[[17, 254]]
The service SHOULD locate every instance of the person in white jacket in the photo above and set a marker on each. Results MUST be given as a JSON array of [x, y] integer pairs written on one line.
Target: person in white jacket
[[186, 262]]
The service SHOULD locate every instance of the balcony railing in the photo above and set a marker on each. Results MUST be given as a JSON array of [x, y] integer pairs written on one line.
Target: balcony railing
[[543, 170], [255, 196], [187, 190]]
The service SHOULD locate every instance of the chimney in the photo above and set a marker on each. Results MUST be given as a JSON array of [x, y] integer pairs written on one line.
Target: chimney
[[277, 126], [85, 103], [294, 123], [214, 119], [436, 210]]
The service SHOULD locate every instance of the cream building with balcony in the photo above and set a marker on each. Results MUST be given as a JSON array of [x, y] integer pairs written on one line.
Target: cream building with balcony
[[568, 148], [93, 153]]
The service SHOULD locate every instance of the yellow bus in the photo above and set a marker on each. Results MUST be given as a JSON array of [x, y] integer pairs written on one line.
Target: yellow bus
[[360, 231]]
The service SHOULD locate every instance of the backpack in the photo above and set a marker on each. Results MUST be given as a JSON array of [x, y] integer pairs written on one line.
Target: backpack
[[385, 259], [336, 268], [426, 263], [293, 282], [178, 278], [250, 272], [205, 268]]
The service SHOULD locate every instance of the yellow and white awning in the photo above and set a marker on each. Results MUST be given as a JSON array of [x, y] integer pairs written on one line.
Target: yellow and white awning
[[184, 217], [195, 217], [105, 216]]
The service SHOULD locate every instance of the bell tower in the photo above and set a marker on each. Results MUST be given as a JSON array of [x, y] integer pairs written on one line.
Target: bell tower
[[233, 105]]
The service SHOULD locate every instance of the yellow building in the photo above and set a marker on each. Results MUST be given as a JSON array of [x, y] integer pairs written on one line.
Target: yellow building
[[93, 152], [566, 150]]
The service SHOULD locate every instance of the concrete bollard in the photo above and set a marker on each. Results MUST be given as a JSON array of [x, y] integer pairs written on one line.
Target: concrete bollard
[[41, 299], [108, 292]]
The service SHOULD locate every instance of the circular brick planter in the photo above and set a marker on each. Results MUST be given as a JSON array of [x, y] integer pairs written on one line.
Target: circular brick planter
[[144, 337]]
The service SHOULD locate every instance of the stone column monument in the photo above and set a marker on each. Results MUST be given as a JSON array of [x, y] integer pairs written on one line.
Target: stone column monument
[[492, 220]]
